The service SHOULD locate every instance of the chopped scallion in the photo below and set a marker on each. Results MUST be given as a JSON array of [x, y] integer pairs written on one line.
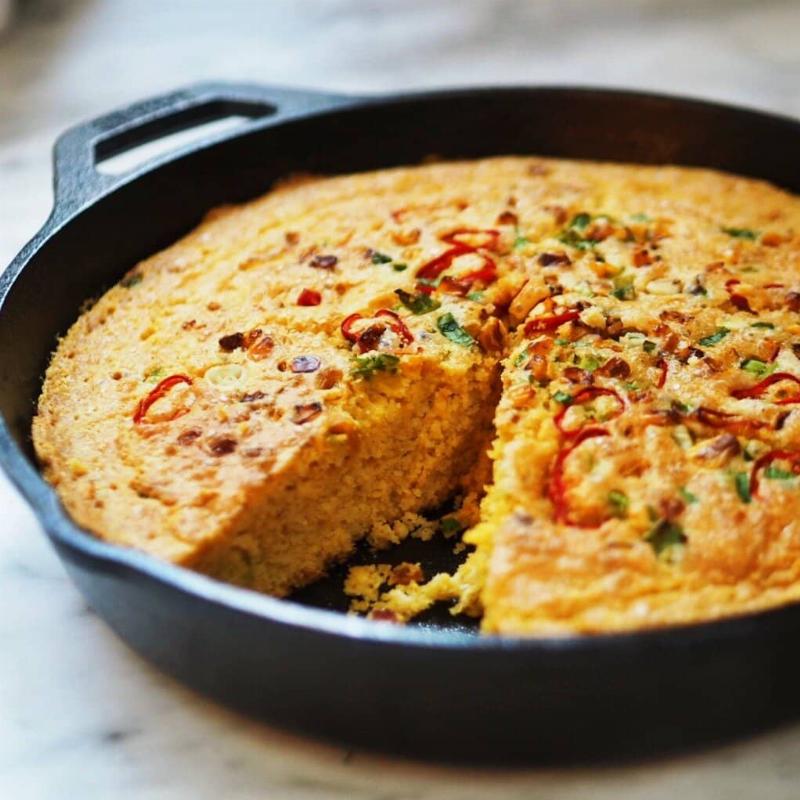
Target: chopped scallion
[[741, 233], [714, 338], [742, 482]]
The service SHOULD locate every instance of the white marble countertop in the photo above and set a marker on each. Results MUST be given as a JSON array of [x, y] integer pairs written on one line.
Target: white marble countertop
[[80, 715]]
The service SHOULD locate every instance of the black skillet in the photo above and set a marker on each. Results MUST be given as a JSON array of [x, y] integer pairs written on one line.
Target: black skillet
[[433, 690]]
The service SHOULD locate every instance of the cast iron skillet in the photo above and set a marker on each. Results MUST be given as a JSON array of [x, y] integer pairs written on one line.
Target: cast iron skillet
[[427, 691]]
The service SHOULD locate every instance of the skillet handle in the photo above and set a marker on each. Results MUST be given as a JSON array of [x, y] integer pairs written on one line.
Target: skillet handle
[[77, 152]]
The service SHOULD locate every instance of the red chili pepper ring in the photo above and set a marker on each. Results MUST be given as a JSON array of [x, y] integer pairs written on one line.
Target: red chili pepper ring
[[770, 380], [158, 392], [395, 323], [461, 285], [557, 490], [764, 461], [584, 396]]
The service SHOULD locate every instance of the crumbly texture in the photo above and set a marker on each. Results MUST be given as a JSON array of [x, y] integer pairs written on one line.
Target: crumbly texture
[[645, 446], [214, 409]]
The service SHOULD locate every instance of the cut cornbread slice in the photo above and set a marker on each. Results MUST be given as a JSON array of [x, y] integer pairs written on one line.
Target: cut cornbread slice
[[648, 444], [278, 384]]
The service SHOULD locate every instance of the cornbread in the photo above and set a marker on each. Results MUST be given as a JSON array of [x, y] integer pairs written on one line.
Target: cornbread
[[318, 364]]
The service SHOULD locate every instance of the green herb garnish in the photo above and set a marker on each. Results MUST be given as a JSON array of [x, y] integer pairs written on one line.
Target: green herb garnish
[[741, 233], [367, 366], [580, 221], [448, 327], [714, 338], [476, 297], [520, 358], [155, 374], [572, 235], [648, 346], [742, 482], [778, 474], [588, 361], [641, 218], [756, 367], [619, 503], [762, 325], [686, 495], [380, 258], [399, 267], [665, 535], [420, 303], [623, 287], [573, 239], [520, 241], [562, 397]]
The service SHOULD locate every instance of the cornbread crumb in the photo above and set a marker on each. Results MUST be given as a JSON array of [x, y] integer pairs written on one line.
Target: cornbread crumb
[[390, 532], [363, 583]]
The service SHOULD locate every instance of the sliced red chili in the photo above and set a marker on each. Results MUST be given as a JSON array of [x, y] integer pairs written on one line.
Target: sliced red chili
[[549, 322], [739, 300], [158, 392], [663, 366], [487, 273], [396, 324], [584, 396], [557, 490], [770, 380], [454, 286], [347, 327], [764, 461], [370, 337], [309, 297], [431, 270], [454, 238]]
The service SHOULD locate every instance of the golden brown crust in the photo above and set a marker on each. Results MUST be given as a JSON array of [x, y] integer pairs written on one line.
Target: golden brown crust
[[276, 440], [648, 435], [644, 473]]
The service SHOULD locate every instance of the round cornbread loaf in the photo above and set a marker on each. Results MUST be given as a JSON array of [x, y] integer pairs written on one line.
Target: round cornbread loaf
[[309, 367]]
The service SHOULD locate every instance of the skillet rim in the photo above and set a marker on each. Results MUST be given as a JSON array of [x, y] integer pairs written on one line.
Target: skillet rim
[[75, 543]]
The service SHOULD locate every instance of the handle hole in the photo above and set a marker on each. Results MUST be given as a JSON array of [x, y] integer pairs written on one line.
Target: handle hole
[[128, 149]]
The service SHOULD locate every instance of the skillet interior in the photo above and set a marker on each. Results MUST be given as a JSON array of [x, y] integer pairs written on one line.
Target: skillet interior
[[426, 692]]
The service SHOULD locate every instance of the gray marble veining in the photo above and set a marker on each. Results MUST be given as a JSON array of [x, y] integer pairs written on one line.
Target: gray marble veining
[[82, 717]]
